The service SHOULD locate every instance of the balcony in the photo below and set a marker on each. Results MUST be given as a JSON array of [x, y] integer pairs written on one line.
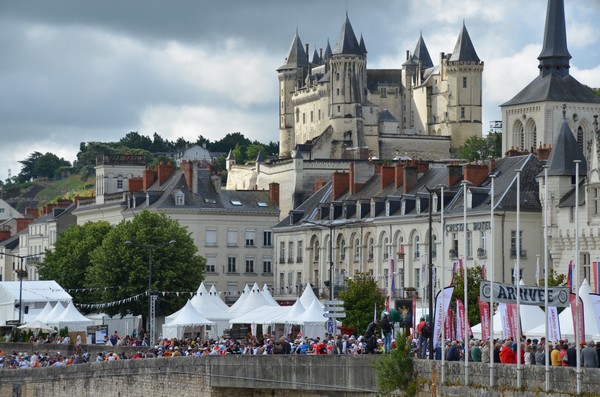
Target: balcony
[[34, 260], [522, 254], [481, 253]]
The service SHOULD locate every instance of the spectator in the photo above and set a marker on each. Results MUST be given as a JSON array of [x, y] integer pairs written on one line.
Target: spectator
[[507, 355], [589, 356], [476, 352]]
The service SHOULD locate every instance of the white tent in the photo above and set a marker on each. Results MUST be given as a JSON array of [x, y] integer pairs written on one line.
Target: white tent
[[47, 309], [208, 306], [240, 301], [215, 296], [54, 313], [268, 296], [33, 294], [312, 320], [71, 318], [187, 321], [253, 300], [308, 296]]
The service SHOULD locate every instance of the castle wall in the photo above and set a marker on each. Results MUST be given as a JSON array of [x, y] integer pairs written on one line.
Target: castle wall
[[416, 147]]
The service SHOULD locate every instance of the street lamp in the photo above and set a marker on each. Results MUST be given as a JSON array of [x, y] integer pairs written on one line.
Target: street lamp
[[20, 273], [150, 323]]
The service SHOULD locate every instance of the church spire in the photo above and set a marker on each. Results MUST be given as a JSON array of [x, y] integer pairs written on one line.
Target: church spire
[[554, 58]]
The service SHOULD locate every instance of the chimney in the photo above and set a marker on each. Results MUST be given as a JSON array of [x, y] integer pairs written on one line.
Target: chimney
[[164, 172], [148, 177], [476, 173], [136, 184], [407, 55], [22, 223], [341, 183], [543, 152], [399, 175], [410, 177], [32, 211], [188, 172], [388, 175], [422, 166], [319, 183], [274, 192], [454, 174], [4, 234], [48, 208]]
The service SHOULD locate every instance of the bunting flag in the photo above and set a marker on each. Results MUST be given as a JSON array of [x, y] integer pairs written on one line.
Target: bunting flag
[[110, 304], [393, 281], [596, 275], [570, 276], [484, 317]]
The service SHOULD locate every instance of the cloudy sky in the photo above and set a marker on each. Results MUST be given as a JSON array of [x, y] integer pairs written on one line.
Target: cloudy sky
[[75, 71]]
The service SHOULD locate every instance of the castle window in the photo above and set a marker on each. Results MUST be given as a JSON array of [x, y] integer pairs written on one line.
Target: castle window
[[303, 118], [580, 137], [297, 116], [319, 114], [337, 77], [120, 183], [464, 82], [311, 116], [338, 91], [462, 112], [339, 109]]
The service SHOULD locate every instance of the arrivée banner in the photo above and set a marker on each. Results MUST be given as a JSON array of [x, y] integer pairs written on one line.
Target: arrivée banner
[[530, 295]]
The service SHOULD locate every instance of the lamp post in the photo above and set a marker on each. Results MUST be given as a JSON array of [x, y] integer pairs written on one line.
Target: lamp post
[[430, 266], [150, 323], [20, 274]]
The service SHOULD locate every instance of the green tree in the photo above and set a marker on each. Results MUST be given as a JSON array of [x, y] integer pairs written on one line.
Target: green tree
[[554, 279], [69, 261], [396, 370], [174, 268], [481, 148], [360, 299], [254, 149], [137, 141], [239, 153], [28, 167], [473, 280], [47, 164], [229, 141]]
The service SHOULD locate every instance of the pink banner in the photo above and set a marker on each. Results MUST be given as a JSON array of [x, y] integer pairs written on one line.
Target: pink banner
[[511, 316], [581, 328], [460, 320], [450, 332], [484, 315]]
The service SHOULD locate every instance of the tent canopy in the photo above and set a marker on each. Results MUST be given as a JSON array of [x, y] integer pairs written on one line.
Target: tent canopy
[[188, 317]]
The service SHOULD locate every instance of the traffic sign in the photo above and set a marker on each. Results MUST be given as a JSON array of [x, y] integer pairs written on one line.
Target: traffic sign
[[334, 308], [330, 326], [334, 315], [334, 303]]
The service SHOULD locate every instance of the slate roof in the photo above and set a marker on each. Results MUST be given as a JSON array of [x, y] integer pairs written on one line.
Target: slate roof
[[362, 46], [297, 57], [328, 52], [555, 56], [376, 77], [347, 43], [464, 50], [421, 54], [385, 115], [565, 151]]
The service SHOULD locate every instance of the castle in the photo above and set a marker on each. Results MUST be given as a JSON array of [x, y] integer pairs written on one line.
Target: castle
[[339, 108]]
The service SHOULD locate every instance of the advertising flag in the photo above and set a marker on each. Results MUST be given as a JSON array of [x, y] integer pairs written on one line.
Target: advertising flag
[[484, 316], [504, 319], [596, 305], [579, 325], [596, 275], [460, 320], [570, 276], [437, 330], [553, 324]]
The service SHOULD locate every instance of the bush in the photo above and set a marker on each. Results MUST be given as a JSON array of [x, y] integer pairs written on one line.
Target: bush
[[395, 370]]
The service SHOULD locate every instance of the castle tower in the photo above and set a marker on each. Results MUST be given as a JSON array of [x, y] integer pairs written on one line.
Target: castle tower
[[347, 66], [291, 77], [464, 70], [412, 72]]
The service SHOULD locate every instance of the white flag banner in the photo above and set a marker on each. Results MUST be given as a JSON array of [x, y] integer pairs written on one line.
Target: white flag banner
[[553, 324], [437, 329], [504, 319], [596, 305]]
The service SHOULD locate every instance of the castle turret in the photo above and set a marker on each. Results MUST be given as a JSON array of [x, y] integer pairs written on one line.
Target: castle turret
[[291, 77], [465, 71]]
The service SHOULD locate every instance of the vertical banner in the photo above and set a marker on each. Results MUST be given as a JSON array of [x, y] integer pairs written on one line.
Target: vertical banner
[[393, 281], [504, 319], [574, 315], [570, 277], [596, 274], [511, 312], [484, 317], [450, 332], [596, 305], [553, 324], [460, 320], [437, 330]]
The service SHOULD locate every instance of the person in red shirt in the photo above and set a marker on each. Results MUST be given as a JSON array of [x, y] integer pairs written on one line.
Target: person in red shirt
[[507, 355]]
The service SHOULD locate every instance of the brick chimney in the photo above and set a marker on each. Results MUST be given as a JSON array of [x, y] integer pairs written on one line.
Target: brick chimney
[[188, 172], [4, 234], [164, 172], [63, 203], [136, 184], [492, 165], [319, 183], [149, 176], [22, 223], [476, 173], [422, 166], [454, 173], [32, 211], [514, 151], [48, 208], [388, 174], [274, 192], [543, 152], [341, 183], [410, 177], [399, 175]]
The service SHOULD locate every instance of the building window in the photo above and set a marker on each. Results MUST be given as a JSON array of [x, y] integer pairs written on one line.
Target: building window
[[357, 250], [462, 112], [417, 277], [282, 252], [434, 247], [267, 268], [300, 253], [383, 92], [417, 247], [469, 244], [386, 249], [319, 114], [291, 252], [464, 82], [250, 234], [585, 260], [297, 116], [179, 199], [298, 281], [211, 263], [339, 108], [1, 210], [211, 237], [483, 247], [232, 240], [386, 276], [454, 247], [231, 264], [120, 183], [513, 244], [317, 251], [513, 274], [267, 238], [343, 250], [311, 116], [249, 264], [371, 249], [303, 118]]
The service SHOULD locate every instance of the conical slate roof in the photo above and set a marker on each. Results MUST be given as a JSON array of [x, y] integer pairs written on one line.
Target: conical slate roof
[[328, 52], [555, 56], [316, 59], [362, 45], [564, 152], [297, 57], [464, 50], [347, 43], [421, 54]]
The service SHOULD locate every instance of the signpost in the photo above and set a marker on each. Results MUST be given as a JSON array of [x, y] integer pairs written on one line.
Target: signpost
[[333, 309]]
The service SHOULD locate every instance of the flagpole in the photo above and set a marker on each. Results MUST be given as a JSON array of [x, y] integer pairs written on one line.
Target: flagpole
[[466, 302], [577, 306], [518, 278], [443, 255], [547, 380], [492, 246]]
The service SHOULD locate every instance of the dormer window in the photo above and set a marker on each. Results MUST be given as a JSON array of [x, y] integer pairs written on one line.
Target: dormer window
[[469, 199], [418, 206], [179, 198], [403, 211], [387, 208], [236, 203]]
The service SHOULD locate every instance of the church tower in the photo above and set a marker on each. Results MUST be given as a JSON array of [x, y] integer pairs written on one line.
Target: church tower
[[291, 77], [347, 66], [464, 72]]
